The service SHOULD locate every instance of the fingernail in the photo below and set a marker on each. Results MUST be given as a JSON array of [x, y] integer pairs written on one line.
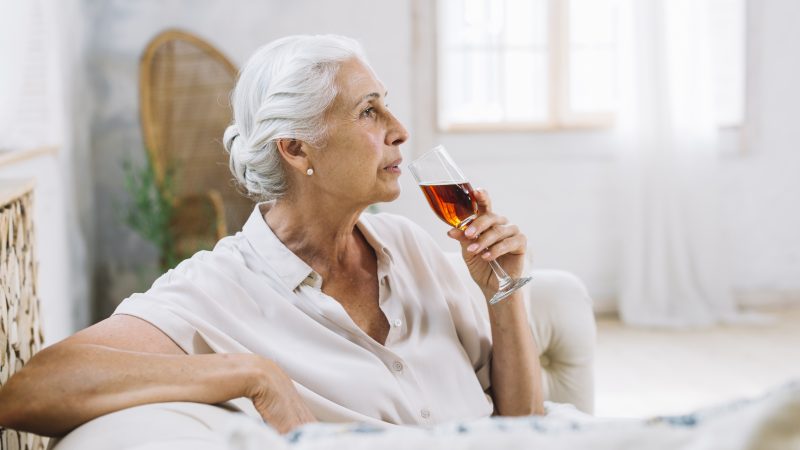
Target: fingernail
[[472, 247], [486, 255], [470, 231]]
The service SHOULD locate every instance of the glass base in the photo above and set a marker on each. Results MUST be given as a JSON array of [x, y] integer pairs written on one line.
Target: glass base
[[508, 290]]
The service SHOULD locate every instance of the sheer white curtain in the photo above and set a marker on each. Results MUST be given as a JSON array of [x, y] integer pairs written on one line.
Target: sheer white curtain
[[673, 270], [41, 104]]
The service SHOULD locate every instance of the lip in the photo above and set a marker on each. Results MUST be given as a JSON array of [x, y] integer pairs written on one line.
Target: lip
[[394, 166]]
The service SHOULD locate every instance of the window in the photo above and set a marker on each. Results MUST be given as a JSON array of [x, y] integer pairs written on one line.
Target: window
[[551, 64]]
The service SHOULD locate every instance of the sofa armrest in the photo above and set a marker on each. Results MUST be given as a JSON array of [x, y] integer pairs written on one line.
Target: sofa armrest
[[562, 321]]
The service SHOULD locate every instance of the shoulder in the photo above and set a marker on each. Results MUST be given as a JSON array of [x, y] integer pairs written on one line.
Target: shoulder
[[402, 235], [405, 238], [225, 260], [223, 275], [394, 227]]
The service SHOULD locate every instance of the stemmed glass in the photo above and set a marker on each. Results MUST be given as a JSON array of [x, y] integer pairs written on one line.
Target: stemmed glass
[[452, 199]]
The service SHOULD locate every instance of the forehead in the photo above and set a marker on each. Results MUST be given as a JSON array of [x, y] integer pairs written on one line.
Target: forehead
[[354, 80]]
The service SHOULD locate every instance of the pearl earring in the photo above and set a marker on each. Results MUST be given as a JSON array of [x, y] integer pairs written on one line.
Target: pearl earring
[[310, 171]]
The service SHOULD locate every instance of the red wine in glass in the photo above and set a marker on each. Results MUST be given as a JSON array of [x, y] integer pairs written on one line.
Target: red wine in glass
[[452, 199], [452, 202]]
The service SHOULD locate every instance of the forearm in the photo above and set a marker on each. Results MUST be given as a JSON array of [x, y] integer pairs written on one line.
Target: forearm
[[516, 374], [62, 388]]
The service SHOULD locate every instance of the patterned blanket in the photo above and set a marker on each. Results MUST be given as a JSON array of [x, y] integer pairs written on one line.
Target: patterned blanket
[[768, 422]]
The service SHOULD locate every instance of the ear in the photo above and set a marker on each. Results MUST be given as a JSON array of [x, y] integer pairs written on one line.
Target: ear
[[293, 152]]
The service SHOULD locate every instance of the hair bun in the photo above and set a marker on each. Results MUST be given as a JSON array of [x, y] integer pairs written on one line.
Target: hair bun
[[234, 145], [229, 138]]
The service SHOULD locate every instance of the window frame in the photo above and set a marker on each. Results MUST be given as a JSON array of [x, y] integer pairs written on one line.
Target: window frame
[[560, 118]]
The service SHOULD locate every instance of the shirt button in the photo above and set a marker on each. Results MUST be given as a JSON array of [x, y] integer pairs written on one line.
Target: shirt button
[[397, 322], [424, 413], [397, 366]]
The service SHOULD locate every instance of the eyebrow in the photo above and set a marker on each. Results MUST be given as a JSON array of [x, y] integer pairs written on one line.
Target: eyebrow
[[369, 96]]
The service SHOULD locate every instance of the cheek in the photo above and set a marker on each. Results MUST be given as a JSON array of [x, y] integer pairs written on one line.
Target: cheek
[[356, 170], [367, 154], [369, 133], [359, 155]]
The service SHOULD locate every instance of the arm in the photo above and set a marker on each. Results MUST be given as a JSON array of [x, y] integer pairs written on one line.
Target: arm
[[124, 362], [515, 372], [516, 376]]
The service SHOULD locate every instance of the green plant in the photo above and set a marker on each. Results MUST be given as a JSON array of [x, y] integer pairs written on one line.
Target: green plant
[[151, 209]]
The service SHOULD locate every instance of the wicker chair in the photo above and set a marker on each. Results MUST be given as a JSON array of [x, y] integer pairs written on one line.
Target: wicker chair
[[184, 86]]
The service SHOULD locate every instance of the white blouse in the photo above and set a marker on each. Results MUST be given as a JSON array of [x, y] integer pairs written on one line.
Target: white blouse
[[251, 294]]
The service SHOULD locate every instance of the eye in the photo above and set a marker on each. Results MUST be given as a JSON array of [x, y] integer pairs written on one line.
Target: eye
[[369, 112]]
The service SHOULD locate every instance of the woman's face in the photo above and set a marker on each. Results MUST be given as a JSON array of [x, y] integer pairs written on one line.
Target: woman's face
[[359, 162]]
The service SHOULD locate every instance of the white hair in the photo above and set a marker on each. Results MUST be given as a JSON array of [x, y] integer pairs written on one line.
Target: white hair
[[283, 92]]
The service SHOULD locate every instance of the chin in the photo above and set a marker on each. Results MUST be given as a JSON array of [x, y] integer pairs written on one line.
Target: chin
[[395, 194], [389, 196]]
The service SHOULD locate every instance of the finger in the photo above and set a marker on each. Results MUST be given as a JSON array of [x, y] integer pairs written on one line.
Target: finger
[[515, 245], [483, 223], [484, 202], [458, 235], [492, 236]]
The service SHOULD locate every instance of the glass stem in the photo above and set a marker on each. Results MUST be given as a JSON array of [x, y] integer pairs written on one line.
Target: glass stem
[[502, 277]]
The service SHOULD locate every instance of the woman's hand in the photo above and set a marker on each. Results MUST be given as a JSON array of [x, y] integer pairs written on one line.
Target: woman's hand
[[490, 237], [276, 399]]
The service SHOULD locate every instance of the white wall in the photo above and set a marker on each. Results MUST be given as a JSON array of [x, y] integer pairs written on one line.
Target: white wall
[[763, 204], [557, 186]]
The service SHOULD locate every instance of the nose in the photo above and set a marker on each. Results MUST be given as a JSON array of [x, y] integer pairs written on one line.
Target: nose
[[396, 133]]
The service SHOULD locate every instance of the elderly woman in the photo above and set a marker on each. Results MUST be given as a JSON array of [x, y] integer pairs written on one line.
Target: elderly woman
[[315, 311]]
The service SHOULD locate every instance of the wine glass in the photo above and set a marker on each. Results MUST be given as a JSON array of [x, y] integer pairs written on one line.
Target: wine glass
[[452, 199]]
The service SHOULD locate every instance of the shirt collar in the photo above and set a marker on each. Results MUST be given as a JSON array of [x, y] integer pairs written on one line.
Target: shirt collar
[[289, 267], [292, 270], [381, 250]]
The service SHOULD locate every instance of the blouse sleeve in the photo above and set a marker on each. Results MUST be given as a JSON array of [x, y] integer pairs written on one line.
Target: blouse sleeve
[[196, 305]]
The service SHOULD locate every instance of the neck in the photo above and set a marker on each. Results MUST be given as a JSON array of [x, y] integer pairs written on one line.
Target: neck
[[321, 233]]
